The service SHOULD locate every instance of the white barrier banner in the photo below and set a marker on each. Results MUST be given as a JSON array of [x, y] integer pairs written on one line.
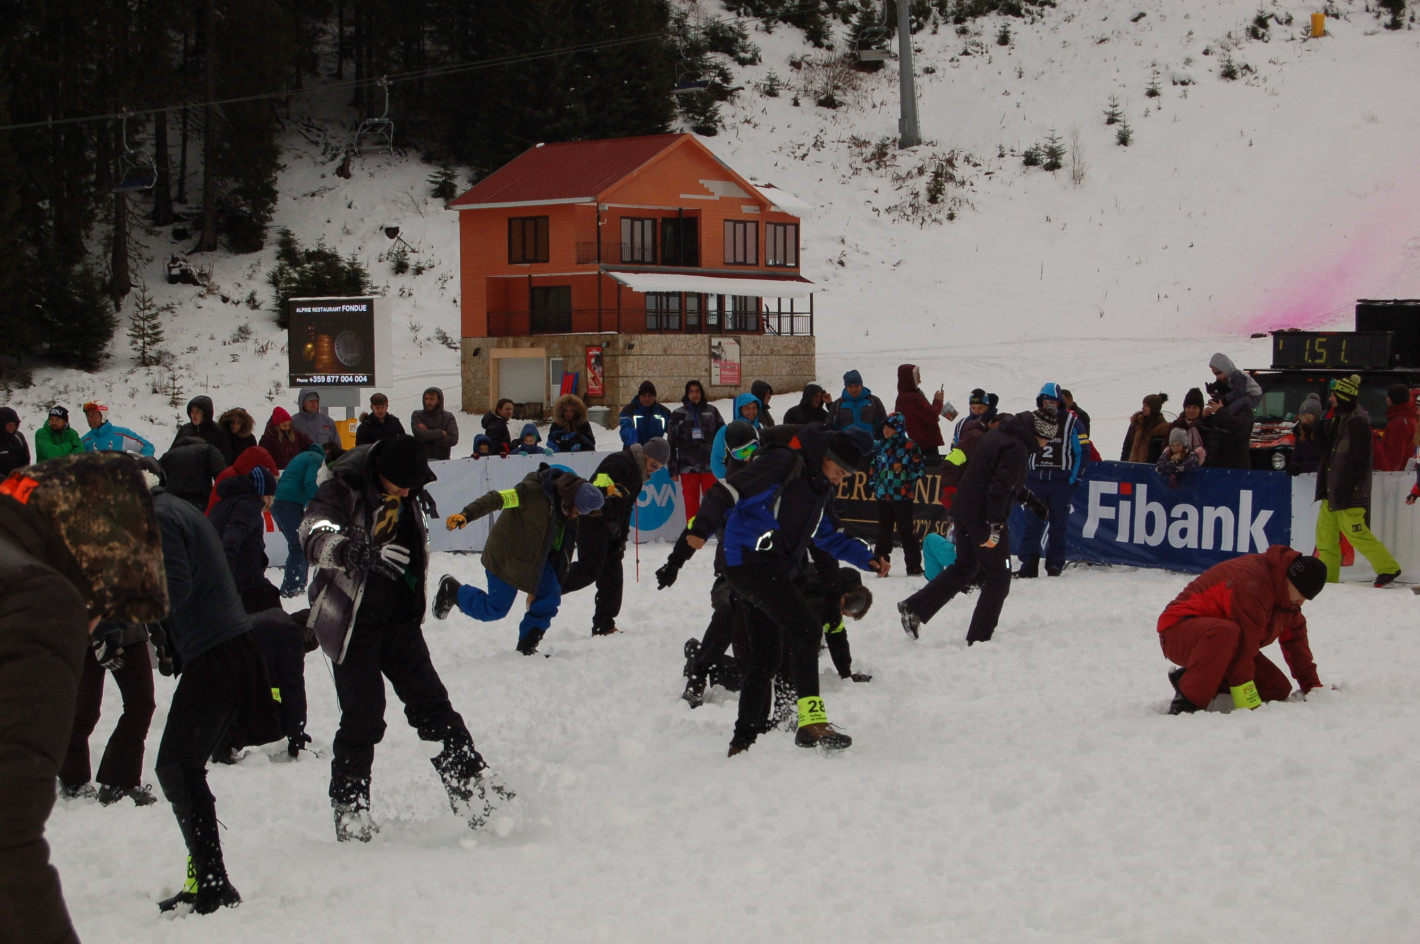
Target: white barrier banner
[[1394, 522]]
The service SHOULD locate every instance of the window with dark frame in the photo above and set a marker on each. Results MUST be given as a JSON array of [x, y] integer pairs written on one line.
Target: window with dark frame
[[744, 314], [680, 241], [694, 305], [550, 309], [638, 240], [663, 311], [781, 244], [741, 242], [527, 239]]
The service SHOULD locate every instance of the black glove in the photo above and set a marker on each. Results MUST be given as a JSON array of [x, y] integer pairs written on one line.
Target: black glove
[[296, 743], [162, 646], [1039, 508], [666, 575], [107, 651], [353, 555]]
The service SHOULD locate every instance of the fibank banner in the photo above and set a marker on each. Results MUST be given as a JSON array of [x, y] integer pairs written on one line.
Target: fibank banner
[[1126, 513]]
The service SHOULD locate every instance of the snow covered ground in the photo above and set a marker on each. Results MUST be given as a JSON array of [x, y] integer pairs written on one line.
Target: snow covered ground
[[1028, 790]]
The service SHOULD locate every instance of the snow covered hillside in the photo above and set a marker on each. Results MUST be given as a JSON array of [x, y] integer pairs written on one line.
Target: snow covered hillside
[[1027, 790]]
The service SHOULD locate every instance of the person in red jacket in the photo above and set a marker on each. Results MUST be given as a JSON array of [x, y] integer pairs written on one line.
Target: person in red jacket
[[923, 416], [1397, 442], [1216, 629]]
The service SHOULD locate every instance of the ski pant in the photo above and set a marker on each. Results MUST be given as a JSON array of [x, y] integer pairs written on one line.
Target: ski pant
[[388, 641], [1056, 493], [600, 549], [495, 603], [898, 515], [213, 692], [1210, 651], [1331, 526], [122, 763], [990, 566], [288, 515], [776, 614], [278, 637], [726, 630], [694, 485]]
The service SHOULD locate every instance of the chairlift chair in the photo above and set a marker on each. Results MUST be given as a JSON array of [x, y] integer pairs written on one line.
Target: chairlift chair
[[687, 81], [136, 170], [377, 134], [869, 41]]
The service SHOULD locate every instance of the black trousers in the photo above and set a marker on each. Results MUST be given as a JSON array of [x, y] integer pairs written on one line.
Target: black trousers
[[989, 567], [278, 638], [726, 629], [600, 551], [216, 689], [387, 643], [122, 763], [776, 614], [897, 515]]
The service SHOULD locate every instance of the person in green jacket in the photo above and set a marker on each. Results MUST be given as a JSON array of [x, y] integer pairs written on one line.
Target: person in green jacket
[[294, 491], [528, 549], [57, 438]]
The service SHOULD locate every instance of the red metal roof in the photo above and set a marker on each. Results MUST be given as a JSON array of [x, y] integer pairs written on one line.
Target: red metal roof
[[566, 170]]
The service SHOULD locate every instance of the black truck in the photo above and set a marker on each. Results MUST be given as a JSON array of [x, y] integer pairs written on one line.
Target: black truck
[[1383, 350]]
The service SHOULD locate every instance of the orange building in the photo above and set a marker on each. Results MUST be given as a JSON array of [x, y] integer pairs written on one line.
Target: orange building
[[648, 251]]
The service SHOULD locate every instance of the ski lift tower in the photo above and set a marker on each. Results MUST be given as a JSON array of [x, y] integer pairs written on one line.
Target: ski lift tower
[[908, 135]]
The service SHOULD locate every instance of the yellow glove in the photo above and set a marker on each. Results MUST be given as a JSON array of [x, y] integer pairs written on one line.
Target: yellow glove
[[454, 522], [608, 485], [1246, 696]]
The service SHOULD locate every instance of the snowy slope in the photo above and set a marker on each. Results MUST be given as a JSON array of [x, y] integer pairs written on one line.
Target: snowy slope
[[1029, 790]]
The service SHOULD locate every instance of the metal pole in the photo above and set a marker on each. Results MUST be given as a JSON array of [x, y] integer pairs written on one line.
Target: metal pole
[[908, 135]]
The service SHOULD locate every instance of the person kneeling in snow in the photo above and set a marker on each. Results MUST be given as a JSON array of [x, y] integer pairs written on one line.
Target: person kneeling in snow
[[1216, 628], [528, 549]]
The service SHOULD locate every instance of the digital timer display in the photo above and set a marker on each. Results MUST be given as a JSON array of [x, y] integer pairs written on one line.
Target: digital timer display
[[1339, 350]]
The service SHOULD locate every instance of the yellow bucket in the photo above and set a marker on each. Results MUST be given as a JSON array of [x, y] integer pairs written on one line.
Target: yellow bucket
[[1318, 25]]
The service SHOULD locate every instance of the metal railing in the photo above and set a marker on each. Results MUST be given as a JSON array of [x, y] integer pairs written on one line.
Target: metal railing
[[619, 253], [505, 324]]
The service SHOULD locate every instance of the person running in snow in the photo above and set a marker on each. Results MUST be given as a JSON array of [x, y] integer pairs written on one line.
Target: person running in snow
[[923, 417], [495, 427], [379, 423], [1215, 630], [746, 409], [839, 593], [570, 431], [436, 427], [103, 436], [812, 407], [1056, 468], [694, 427], [857, 408], [530, 443], [1343, 485], [643, 419], [771, 511], [365, 536], [77, 544], [317, 427], [1227, 418], [529, 548], [601, 538], [994, 482], [896, 469], [56, 437], [14, 451], [282, 439]]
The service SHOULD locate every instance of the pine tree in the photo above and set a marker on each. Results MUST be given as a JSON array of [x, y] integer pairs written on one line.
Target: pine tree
[[1053, 152], [1113, 113], [444, 183], [1124, 135], [145, 327], [1152, 90]]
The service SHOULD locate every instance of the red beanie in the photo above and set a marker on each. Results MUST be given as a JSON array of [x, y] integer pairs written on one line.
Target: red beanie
[[279, 416]]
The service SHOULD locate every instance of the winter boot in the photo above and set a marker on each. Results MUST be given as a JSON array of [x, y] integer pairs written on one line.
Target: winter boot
[[446, 597], [475, 792], [350, 802], [823, 736], [691, 650], [213, 889], [141, 795], [187, 895], [1180, 705], [78, 791], [1052, 571], [605, 629], [1383, 579], [694, 694], [911, 622], [1030, 567], [527, 645]]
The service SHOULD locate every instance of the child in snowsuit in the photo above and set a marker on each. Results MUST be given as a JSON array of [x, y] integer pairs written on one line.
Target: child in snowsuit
[[897, 467], [530, 443], [528, 549], [1177, 458]]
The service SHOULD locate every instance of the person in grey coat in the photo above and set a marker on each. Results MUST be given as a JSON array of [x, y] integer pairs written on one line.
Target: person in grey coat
[[434, 426], [311, 421], [1227, 419]]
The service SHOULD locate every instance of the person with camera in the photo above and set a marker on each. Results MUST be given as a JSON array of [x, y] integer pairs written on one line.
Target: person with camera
[[1227, 417]]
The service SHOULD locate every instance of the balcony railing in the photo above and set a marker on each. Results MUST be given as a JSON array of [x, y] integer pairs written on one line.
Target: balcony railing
[[505, 324], [618, 253]]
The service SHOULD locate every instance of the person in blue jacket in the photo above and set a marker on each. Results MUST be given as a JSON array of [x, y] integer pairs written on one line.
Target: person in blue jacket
[[643, 419], [1054, 470], [530, 443], [103, 436], [857, 408], [295, 488], [771, 512], [747, 409]]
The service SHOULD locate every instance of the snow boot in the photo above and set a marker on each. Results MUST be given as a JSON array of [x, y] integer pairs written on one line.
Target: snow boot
[[1383, 579], [527, 645], [911, 622], [187, 895], [446, 597], [353, 820], [78, 791], [1030, 567], [823, 736], [1052, 571], [604, 630], [694, 694], [213, 889], [141, 795]]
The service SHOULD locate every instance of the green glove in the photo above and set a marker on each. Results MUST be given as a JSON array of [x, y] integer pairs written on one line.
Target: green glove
[[1245, 696]]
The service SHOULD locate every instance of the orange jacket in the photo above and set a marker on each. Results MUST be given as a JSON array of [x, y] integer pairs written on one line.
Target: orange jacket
[[1252, 591]]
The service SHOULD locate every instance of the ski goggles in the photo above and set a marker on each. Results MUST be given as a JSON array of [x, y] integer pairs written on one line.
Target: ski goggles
[[742, 453]]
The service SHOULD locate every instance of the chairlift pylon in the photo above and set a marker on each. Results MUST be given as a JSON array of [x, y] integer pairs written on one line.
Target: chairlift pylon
[[136, 170], [377, 134]]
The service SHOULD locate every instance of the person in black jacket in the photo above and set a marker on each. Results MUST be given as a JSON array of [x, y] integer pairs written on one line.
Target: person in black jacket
[[601, 539], [379, 423], [202, 423], [222, 682], [772, 510], [570, 431], [762, 392], [190, 467], [812, 407], [14, 450], [692, 432], [495, 426], [993, 482], [237, 425]]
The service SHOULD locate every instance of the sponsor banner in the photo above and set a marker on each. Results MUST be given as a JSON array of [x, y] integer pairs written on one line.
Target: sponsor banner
[[596, 376], [659, 516], [858, 509]]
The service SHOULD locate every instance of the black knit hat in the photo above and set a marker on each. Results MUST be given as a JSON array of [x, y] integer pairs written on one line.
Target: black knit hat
[[402, 461], [1308, 575], [60, 412], [1194, 397], [646, 387], [850, 448]]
